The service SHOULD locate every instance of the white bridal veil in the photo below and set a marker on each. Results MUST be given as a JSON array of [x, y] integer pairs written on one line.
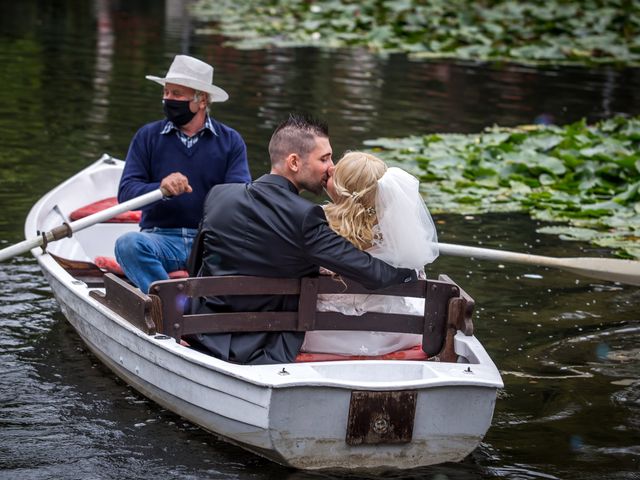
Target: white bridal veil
[[405, 234], [405, 237]]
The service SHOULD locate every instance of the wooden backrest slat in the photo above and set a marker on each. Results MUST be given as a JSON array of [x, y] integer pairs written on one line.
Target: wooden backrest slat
[[328, 284], [370, 321], [438, 318], [232, 285], [235, 322], [307, 304]]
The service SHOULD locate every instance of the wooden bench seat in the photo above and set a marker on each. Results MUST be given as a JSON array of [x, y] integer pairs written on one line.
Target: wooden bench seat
[[447, 308]]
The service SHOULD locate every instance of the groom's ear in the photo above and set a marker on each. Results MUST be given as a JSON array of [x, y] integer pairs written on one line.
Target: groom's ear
[[293, 162]]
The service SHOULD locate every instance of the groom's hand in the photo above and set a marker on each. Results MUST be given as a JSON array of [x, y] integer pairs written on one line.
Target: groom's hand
[[412, 277]]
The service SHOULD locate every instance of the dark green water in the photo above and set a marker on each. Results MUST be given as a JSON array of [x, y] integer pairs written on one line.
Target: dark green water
[[72, 87]]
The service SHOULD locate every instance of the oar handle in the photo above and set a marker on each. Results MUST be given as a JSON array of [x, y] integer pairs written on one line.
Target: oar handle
[[67, 229], [109, 213]]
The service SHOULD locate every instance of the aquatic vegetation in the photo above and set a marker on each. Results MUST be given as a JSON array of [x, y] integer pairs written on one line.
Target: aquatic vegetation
[[584, 180], [552, 31]]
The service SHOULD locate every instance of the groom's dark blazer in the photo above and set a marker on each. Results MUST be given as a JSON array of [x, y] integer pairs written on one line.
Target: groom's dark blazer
[[266, 229]]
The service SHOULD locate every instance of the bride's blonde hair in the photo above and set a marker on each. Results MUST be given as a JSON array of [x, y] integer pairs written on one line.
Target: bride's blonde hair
[[352, 214]]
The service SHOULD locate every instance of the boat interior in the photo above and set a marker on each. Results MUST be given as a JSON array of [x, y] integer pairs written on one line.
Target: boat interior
[[163, 311]]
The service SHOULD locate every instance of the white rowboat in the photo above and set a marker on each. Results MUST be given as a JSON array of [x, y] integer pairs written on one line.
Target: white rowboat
[[307, 415]]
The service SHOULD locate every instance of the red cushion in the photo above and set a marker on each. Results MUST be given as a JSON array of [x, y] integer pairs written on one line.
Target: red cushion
[[413, 353], [132, 216], [179, 274], [109, 264]]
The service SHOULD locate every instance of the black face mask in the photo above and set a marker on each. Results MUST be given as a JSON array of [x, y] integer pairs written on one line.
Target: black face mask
[[177, 111]]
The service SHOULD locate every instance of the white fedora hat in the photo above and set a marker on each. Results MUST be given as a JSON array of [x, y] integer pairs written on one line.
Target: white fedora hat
[[193, 73]]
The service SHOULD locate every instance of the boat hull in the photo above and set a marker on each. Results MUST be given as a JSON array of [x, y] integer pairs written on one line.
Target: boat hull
[[295, 414], [278, 423], [441, 433]]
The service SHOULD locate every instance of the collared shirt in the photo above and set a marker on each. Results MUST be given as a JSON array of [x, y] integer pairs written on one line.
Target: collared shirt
[[186, 140], [216, 158]]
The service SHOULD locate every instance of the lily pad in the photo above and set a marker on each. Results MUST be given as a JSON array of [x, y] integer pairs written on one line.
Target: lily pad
[[583, 179], [552, 32]]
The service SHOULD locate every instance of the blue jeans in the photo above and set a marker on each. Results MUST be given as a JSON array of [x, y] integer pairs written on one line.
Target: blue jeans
[[148, 255]]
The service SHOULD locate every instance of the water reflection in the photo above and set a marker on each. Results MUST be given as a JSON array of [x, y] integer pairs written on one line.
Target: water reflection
[[178, 25], [98, 115]]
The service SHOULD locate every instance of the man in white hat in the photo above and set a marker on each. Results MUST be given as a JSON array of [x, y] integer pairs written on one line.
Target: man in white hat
[[184, 155]]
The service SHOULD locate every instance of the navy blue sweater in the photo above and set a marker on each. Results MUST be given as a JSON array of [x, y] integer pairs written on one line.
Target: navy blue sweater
[[215, 158]]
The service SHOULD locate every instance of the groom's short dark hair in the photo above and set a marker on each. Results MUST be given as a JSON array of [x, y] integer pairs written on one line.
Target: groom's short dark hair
[[296, 135]]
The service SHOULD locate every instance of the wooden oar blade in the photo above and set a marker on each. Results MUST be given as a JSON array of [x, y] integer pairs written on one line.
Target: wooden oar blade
[[612, 269]]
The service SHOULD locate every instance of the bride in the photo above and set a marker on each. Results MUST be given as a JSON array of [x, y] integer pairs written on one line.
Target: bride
[[379, 210]]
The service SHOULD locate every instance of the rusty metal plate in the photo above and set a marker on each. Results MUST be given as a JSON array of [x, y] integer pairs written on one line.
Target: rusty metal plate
[[381, 417]]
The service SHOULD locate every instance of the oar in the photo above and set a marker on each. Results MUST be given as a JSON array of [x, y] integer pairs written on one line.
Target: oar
[[613, 269], [68, 229]]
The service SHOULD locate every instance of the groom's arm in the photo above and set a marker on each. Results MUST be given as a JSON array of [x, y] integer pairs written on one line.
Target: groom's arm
[[325, 247]]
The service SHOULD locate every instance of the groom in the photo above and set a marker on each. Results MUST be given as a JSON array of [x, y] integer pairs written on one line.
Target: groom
[[266, 229]]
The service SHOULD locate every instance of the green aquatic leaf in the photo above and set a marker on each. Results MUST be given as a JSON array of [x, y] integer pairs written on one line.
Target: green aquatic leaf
[[542, 142], [546, 179], [535, 162], [606, 149], [596, 32], [586, 176], [571, 233], [630, 194], [629, 162]]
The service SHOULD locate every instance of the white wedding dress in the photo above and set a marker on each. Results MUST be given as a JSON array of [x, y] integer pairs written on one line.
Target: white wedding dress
[[405, 237]]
